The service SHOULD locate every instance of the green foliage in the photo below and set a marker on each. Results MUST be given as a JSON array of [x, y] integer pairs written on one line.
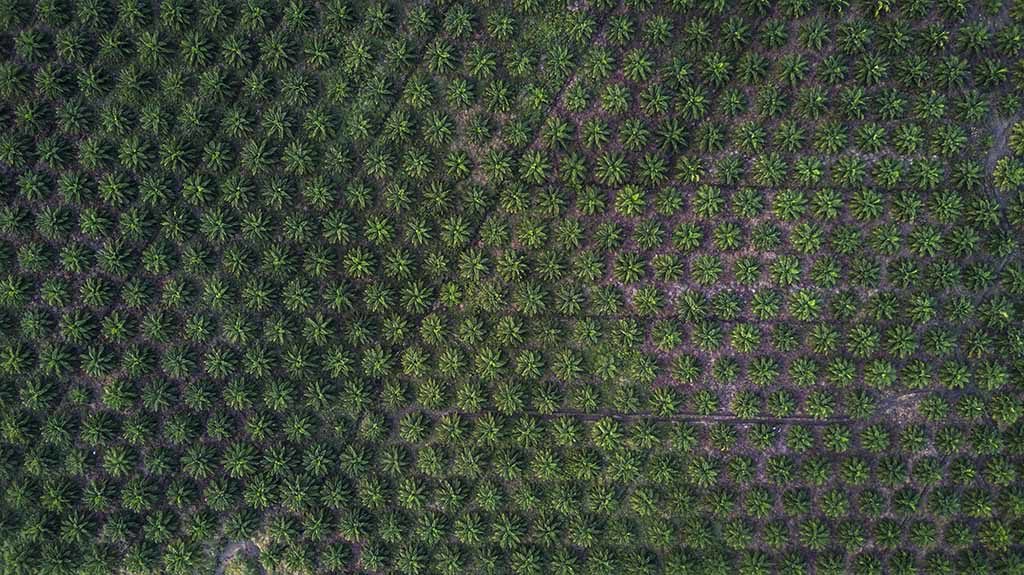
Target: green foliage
[[537, 287]]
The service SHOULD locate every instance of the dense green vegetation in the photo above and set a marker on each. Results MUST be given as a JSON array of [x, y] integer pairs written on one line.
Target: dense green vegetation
[[690, 286]]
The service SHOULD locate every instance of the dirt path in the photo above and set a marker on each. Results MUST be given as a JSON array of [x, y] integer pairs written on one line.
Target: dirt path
[[234, 549], [1000, 148], [1000, 144]]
